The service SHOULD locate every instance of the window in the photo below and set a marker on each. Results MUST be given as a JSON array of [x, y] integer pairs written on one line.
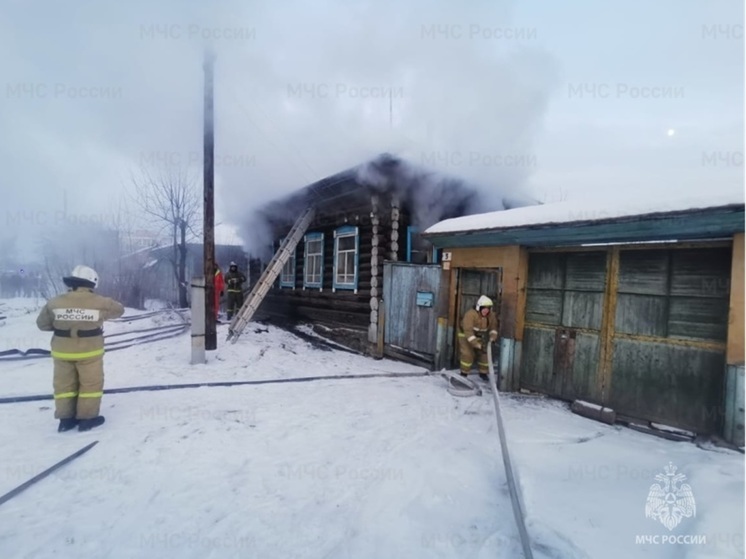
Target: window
[[346, 245], [417, 252], [287, 276], [313, 264]]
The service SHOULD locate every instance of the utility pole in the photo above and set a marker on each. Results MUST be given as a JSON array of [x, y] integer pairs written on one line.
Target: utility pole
[[211, 337]]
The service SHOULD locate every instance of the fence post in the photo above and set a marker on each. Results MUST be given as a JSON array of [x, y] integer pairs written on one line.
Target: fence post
[[198, 320]]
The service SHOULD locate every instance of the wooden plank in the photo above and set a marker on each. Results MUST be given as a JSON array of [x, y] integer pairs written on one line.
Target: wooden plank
[[641, 314], [643, 272], [582, 309], [604, 377], [584, 384], [522, 293], [735, 355], [586, 271], [698, 319], [536, 363], [545, 271], [678, 386], [544, 307]]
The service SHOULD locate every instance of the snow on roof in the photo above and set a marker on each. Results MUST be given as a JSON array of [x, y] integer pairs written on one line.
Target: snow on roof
[[582, 211]]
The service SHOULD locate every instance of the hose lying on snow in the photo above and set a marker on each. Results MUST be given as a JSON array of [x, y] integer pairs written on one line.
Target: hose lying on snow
[[150, 335], [42, 397], [513, 487]]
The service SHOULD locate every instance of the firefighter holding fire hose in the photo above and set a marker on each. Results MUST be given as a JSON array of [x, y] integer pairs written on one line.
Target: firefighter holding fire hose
[[477, 327]]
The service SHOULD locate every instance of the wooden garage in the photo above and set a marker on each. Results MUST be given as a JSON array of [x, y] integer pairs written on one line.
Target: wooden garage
[[641, 312], [642, 330]]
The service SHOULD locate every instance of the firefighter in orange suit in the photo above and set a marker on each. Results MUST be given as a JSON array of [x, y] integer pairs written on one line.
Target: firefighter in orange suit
[[77, 319], [219, 289], [475, 324]]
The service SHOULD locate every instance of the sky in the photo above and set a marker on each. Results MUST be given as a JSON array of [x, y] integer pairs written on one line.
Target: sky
[[559, 101]]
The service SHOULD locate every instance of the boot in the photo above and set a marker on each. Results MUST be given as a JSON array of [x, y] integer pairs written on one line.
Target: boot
[[484, 376], [66, 424], [88, 424]]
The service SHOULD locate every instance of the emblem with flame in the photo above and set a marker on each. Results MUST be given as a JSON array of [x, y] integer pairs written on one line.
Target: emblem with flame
[[672, 501]]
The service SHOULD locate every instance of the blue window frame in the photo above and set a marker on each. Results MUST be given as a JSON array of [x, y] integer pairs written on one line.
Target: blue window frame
[[411, 230], [287, 276], [346, 257], [313, 260]]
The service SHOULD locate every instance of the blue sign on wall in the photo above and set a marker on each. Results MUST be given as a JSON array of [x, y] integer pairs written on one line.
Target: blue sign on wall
[[425, 299]]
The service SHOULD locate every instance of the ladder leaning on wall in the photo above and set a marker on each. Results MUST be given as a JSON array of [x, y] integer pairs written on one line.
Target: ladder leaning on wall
[[270, 274]]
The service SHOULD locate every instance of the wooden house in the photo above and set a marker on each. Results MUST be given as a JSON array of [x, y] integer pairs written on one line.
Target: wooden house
[[365, 216], [637, 309]]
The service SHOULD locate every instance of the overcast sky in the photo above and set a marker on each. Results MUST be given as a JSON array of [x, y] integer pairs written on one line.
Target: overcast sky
[[560, 100]]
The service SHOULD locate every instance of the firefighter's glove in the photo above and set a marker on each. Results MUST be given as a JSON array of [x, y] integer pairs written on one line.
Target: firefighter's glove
[[493, 336], [477, 345]]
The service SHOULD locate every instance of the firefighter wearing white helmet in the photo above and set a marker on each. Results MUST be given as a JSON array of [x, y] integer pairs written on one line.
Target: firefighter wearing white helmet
[[77, 319], [474, 325]]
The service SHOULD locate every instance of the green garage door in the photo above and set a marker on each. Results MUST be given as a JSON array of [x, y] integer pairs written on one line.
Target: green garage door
[[640, 330], [669, 339], [562, 334]]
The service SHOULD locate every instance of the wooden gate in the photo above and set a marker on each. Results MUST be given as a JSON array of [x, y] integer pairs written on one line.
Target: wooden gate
[[410, 296]]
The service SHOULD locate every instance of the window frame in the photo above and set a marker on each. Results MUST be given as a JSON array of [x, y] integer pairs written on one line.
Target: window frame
[[285, 283], [345, 232], [311, 237]]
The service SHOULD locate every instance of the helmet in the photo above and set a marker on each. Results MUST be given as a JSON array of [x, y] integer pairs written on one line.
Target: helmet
[[233, 264], [82, 276], [484, 301]]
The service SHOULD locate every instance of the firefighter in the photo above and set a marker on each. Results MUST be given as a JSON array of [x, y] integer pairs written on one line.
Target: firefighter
[[219, 290], [234, 281], [476, 323], [77, 318]]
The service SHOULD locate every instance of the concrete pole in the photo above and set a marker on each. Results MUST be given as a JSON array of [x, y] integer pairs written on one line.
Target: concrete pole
[[198, 321]]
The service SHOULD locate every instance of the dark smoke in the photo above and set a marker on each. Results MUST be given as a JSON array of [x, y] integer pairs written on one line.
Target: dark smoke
[[429, 195]]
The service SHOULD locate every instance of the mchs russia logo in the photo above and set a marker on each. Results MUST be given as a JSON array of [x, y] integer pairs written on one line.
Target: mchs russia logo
[[670, 500]]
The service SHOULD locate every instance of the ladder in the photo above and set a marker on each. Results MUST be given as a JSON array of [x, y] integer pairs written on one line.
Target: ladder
[[269, 275]]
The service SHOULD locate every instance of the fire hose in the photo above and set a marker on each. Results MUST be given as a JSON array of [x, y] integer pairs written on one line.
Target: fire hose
[[148, 335], [515, 496]]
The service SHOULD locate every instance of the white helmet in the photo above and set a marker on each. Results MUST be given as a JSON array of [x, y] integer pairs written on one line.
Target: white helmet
[[484, 301], [82, 275]]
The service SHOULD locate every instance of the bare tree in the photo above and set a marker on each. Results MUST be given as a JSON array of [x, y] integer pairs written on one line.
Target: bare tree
[[169, 196]]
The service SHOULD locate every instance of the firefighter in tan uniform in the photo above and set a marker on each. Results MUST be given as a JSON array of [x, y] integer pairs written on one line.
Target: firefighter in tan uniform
[[77, 318], [475, 324]]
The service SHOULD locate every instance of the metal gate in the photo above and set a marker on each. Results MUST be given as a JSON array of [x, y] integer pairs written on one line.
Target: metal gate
[[410, 296]]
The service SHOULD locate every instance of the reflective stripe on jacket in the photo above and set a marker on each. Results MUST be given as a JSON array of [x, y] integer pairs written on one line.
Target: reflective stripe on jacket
[[473, 325], [77, 310]]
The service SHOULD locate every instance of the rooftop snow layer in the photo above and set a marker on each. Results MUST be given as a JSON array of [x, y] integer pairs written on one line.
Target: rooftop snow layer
[[577, 211]]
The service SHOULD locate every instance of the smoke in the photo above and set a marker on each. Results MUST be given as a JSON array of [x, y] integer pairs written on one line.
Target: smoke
[[420, 80], [429, 195], [303, 90]]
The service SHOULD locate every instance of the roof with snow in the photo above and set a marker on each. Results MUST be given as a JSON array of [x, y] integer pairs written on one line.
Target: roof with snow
[[704, 217]]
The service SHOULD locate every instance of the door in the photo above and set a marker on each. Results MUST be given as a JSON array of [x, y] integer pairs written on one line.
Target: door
[[473, 283], [562, 333], [410, 295]]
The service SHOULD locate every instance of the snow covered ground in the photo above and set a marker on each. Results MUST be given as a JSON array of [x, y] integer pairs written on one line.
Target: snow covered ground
[[358, 468]]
